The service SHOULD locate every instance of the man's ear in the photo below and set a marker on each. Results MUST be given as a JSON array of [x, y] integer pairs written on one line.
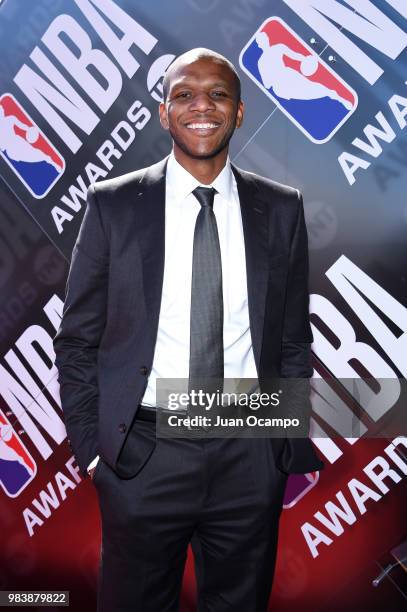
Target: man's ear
[[162, 110], [240, 113]]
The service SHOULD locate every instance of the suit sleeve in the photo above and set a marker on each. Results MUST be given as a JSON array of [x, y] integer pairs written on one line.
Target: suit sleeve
[[297, 335], [78, 338]]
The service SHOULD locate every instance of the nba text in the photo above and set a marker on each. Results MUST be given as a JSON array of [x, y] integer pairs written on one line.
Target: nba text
[[344, 356], [72, 79], [54, 97]]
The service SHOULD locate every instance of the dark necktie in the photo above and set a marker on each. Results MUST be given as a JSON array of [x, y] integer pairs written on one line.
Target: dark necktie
[[206, 331]]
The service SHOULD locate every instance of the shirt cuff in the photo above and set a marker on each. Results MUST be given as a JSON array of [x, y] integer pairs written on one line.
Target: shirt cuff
[[93, 463]]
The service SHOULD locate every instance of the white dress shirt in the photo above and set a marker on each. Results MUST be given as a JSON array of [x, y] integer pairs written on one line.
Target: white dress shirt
[[171, 356]]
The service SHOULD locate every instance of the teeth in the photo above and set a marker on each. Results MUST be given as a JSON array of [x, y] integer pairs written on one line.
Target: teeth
[[201, 126]]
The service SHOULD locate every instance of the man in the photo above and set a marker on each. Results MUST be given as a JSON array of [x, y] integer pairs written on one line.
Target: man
[[188, 268]]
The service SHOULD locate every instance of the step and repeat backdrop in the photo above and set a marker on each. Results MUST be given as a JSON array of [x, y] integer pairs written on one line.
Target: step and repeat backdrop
[[324, 83]]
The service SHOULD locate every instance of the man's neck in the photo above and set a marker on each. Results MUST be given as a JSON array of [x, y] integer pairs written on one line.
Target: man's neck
[[204, 170]]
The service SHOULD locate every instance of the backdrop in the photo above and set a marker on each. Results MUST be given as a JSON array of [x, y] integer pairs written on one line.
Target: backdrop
[[324, 82]]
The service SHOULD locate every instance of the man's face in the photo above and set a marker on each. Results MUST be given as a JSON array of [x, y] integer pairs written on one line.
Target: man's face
[[201, 111]]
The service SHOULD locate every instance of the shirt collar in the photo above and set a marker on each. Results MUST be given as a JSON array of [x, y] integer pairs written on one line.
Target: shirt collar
[[182, 183]]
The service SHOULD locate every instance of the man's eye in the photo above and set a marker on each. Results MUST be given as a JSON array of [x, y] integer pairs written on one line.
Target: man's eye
[[183, 94], [219, 94]]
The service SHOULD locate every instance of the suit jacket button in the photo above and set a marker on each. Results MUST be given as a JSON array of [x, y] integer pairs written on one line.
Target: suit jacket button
[[122, 428], [143, 370]]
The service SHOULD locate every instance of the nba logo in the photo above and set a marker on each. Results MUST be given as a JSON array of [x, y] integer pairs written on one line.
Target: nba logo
[[303, 87], [299, 485], [17, 467], [26, 150]]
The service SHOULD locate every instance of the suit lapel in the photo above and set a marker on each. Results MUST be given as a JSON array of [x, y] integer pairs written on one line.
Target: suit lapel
[[150, 213], [255, 221]]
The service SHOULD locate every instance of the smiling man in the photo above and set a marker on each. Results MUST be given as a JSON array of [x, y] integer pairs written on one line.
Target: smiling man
[[190, 269]]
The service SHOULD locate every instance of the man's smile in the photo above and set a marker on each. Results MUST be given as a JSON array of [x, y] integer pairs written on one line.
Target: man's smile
[[203, 127]]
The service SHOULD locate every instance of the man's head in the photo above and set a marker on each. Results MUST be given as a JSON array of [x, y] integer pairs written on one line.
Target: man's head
[[202, 105], [194, 55]]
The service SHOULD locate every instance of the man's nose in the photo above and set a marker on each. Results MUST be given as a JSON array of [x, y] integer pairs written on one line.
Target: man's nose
[[202, 102]]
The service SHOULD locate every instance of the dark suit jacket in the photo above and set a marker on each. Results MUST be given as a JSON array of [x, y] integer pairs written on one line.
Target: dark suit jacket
[[105, 344]]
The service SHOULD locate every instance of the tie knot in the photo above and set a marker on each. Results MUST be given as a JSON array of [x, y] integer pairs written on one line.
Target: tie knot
[[205, 195]]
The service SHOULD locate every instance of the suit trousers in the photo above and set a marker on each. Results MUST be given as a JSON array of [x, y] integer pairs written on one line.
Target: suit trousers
[[222, 495]]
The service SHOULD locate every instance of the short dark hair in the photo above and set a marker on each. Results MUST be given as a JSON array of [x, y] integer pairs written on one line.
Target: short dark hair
[[199, 53]]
